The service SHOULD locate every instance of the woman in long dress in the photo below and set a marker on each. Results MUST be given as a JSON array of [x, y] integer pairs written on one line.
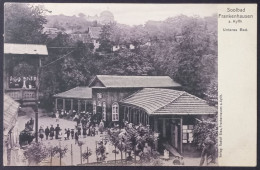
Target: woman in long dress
[[57, 116]]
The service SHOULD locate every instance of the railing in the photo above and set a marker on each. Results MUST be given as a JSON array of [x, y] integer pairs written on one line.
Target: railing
[[22, 94]]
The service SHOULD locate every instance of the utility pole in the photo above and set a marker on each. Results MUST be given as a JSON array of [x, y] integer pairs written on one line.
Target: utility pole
[[37, 100]]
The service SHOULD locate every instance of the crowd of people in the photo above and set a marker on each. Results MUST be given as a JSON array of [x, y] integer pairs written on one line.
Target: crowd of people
[[81, 130], [22, 82]]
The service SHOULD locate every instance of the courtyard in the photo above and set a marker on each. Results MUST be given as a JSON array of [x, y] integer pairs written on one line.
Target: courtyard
[[73, 154]]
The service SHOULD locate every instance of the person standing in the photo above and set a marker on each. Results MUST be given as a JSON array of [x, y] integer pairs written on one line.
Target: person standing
[[57, 116], [47, 132], [79, 131], [209, 149], [52, 132], [68, 134], [41, 132], [72, 133], [65, 134], [84, 131], [76, 138], [101, 127], [57, 130]]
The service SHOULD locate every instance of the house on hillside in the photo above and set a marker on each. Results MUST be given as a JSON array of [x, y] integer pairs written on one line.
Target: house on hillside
[[94, 33], [83, 37]]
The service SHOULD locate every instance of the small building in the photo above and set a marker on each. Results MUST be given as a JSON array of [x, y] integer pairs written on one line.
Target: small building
[[156, 101], [171, 113], [10, 131], [108, 90], [21, 65], [94, 33], [78, 99]]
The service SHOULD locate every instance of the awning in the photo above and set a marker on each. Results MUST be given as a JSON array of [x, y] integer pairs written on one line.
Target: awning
[[76, 93], [156, 101], [10, 113]]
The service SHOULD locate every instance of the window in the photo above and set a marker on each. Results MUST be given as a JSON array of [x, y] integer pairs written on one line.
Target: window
[[115, 112], [99, 95], [104, 111], [187, 133], [94, 107]]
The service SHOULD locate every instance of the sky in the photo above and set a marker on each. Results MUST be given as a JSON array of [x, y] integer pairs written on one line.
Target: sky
[[133, 14]]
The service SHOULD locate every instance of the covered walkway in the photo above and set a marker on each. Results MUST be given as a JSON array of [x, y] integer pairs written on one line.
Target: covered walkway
[[171, 113]]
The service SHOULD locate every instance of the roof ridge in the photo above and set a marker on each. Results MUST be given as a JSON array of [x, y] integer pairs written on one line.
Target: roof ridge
[[197, 98], [181, 93], [65, 91], [131, 95]]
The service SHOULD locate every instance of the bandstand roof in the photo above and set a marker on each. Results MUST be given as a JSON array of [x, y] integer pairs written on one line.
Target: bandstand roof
[[32, 49], [76, 93], [156, 101], [10, 113]]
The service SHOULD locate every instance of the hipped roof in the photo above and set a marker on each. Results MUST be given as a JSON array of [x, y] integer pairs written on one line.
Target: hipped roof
[[10, 113], [32, 49], [76, 93], [114, 81], [156, 101]]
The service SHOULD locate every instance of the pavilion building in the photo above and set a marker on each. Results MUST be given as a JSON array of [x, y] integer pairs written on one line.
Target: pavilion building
[[157, 101]]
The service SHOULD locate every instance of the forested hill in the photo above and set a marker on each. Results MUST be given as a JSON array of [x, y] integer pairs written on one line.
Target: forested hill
[[182, 47], [71, 24]]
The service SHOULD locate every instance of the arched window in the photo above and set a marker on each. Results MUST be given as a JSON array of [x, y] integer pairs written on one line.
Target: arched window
[[104, 111], [94, 107], [115, 112]]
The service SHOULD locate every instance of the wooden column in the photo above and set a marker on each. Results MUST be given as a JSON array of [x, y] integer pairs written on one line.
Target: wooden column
[[56, 105], [181, 135], [63, 104], [164, 127], [128, 114], [155, 124], [142, 119], [144, 116], [85, 106], [134, 112], [78, 106], [138, 114], [124, 113], [71, 105]]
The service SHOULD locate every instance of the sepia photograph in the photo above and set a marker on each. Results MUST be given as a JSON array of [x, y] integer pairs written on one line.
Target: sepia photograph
[[103, 84]]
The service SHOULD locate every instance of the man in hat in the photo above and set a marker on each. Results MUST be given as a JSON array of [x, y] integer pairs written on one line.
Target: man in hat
[[209, 150], [57, 130], [72, 133], [47, 132], [52, 132], [68, 134]]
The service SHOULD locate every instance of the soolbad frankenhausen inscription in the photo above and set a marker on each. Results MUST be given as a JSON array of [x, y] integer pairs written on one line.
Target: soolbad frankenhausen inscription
[[237, 15]]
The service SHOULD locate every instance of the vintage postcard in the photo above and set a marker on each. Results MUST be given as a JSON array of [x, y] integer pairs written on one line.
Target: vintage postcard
[[98, 84]]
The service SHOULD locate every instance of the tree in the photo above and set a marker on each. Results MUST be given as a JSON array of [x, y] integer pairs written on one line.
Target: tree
[[24, 23], [133, 139], [36, 153], [105, 39], [205, 128]]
